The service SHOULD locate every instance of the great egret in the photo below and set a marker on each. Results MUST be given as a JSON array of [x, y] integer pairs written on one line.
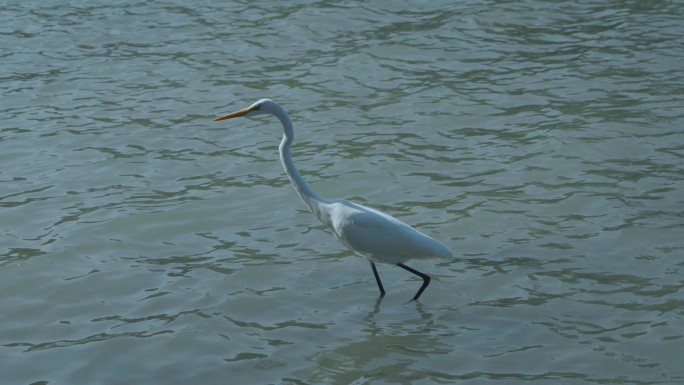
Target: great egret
[[367, 232]]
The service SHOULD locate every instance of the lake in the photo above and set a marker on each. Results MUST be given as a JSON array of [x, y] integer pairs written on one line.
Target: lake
[[142, 243]]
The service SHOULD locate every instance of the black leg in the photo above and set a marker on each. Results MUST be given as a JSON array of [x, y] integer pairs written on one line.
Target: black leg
[[426, 279], [377, 279]]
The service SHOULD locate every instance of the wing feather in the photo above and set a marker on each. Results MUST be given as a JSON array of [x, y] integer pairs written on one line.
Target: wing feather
[[383, 238]]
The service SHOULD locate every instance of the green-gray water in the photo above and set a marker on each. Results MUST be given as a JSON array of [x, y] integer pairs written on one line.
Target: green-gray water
[[141, 243]]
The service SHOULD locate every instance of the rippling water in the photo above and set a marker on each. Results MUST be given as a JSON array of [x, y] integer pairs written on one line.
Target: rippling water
[[142, 243]]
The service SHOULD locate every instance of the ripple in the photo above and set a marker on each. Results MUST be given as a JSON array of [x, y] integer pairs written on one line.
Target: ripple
[[540, 140]]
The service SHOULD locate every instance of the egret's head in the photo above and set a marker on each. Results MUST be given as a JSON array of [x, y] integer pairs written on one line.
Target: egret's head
[[263, 106]]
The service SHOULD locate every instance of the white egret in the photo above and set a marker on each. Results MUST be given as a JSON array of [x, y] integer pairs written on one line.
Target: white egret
[[367, 232]]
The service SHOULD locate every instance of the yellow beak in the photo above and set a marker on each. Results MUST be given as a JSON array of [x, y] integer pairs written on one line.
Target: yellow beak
[[233, 114]]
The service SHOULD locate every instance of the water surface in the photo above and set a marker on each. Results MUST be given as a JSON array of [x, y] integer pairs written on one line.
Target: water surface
[[142, 243]]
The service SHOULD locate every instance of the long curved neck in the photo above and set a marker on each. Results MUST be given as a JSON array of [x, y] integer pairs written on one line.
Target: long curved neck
[[305, 192]]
